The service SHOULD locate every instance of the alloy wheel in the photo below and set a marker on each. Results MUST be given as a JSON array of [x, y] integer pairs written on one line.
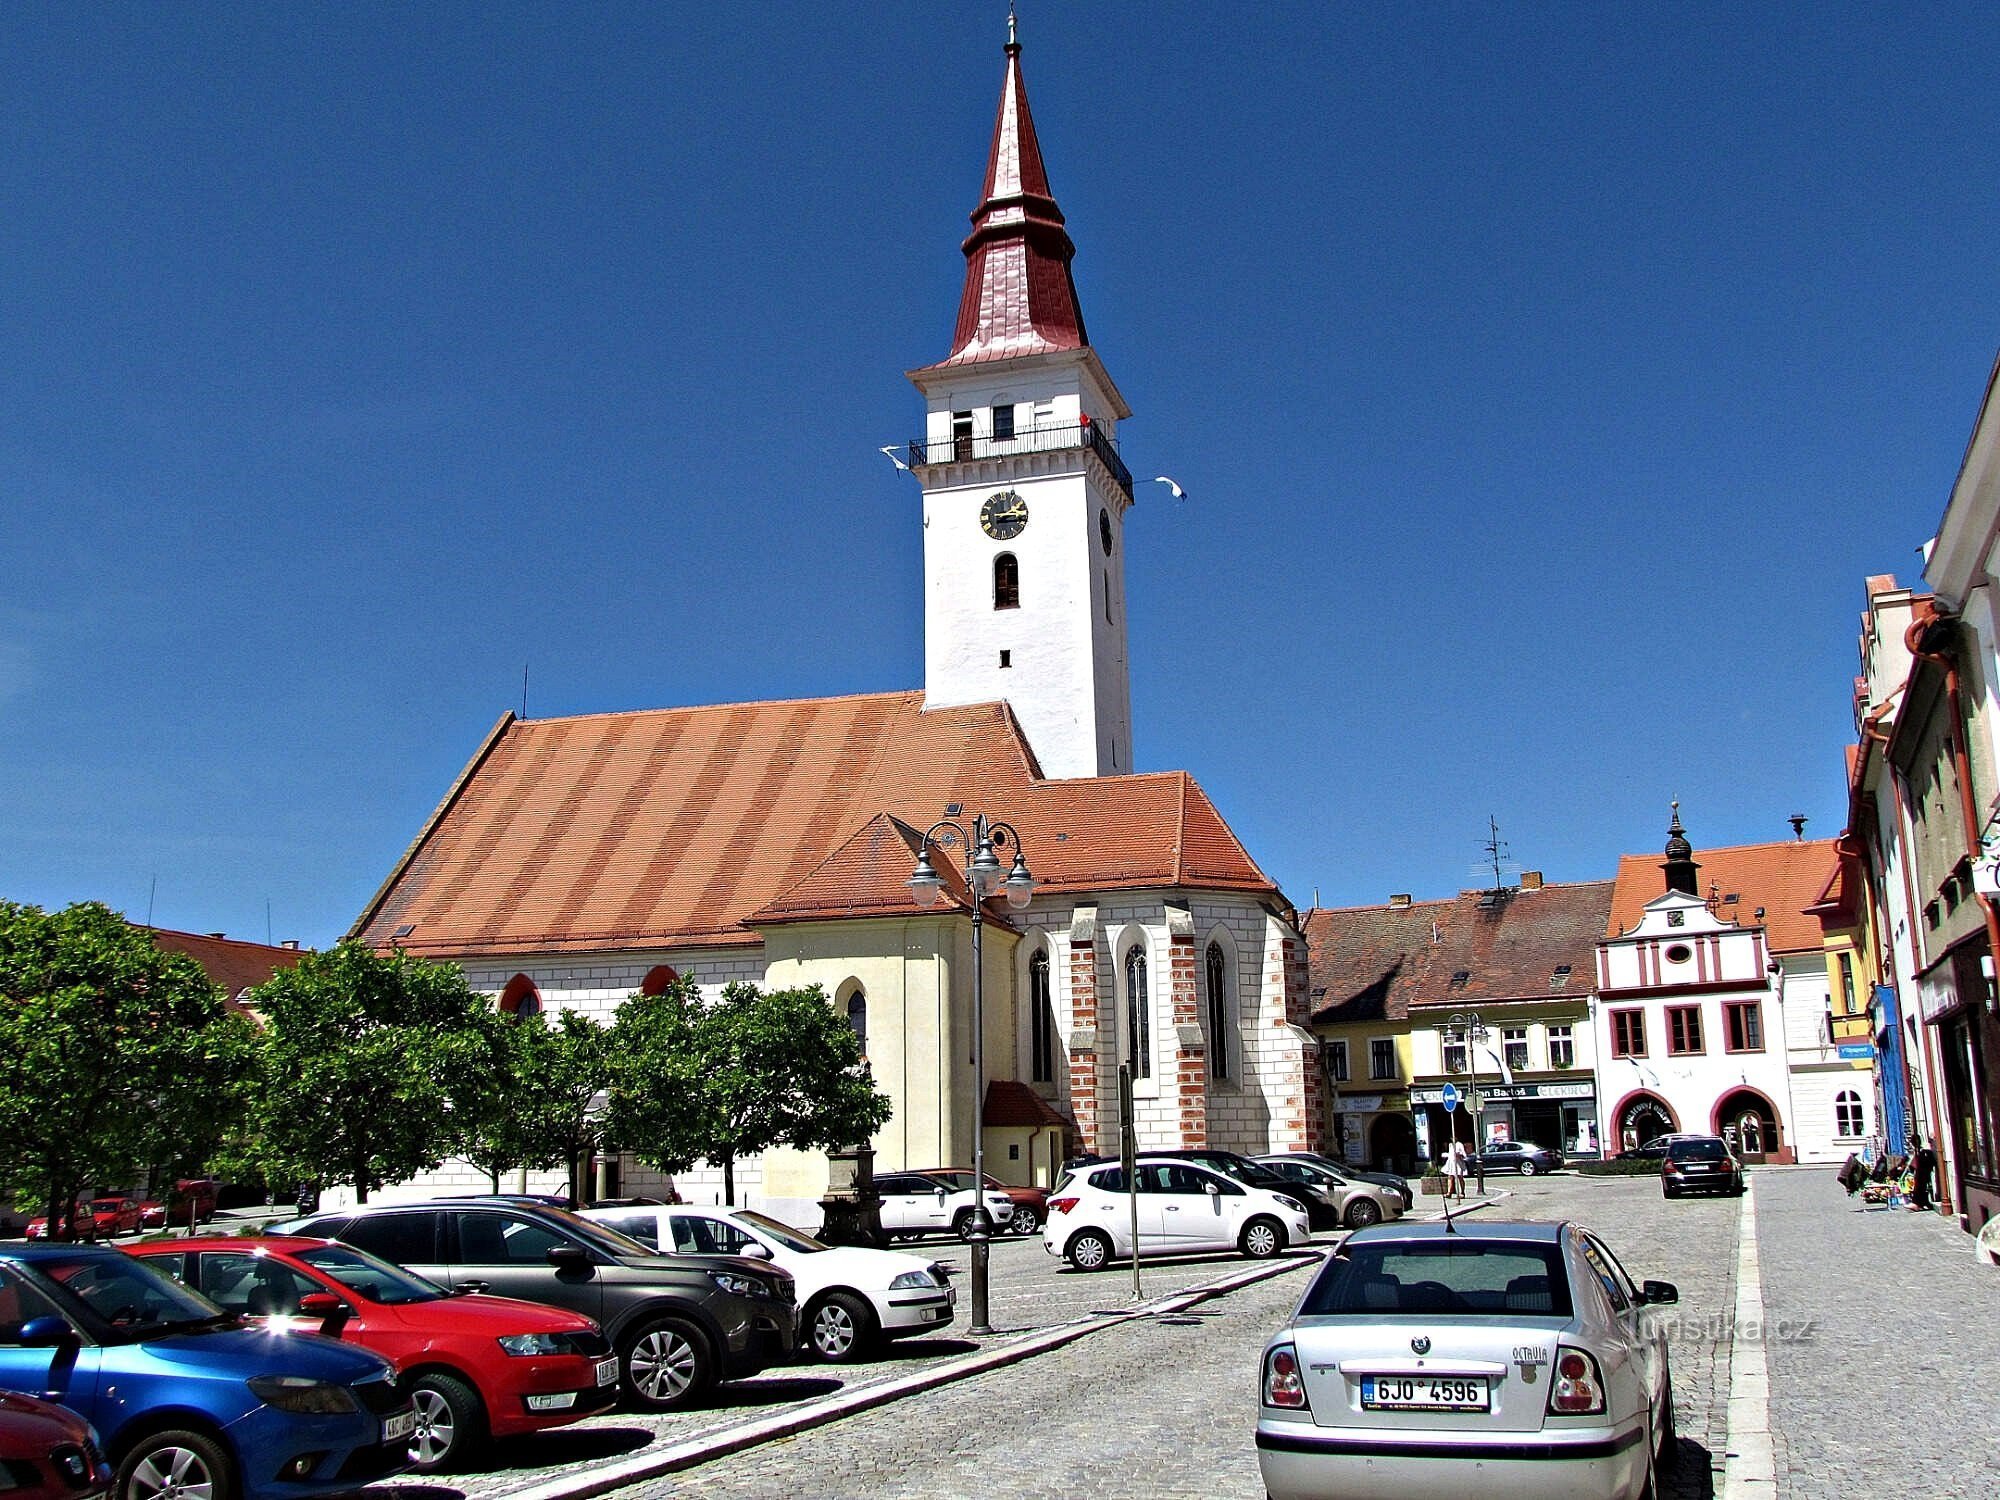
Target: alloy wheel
[[172, 1473], [435, 1431], [1260, 1240], [833, 1330], [662, 1365]]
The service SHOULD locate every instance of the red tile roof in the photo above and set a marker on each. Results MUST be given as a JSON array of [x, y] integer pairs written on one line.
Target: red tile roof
[[1509, 945], [1011, 1105], [232, 964], [1784, 878], [677, 827], [1364, 963]]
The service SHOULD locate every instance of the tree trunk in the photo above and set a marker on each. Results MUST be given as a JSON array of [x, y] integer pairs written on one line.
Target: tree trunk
[[360, 1177], [573, 1164], [729, 1180], [493, 1176]]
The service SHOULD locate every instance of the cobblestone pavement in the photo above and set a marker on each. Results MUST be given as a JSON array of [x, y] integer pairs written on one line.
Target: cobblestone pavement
[[1031, 1291], [1882, 1344]]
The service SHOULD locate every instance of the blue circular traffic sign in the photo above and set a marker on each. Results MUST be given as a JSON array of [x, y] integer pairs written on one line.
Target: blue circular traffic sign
[[1450, 1096]]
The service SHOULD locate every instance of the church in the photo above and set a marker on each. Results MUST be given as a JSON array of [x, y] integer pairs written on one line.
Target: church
[[576, 861]]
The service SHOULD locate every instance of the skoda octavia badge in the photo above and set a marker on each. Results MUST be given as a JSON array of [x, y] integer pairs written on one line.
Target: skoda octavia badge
[[1421, 1344]]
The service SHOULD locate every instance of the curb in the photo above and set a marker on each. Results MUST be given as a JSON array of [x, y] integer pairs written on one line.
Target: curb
[[720, 1444], [1749, 1465]]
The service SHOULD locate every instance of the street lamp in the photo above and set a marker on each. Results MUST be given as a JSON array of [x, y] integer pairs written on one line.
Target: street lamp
[[1472, 1034], [982, 878]]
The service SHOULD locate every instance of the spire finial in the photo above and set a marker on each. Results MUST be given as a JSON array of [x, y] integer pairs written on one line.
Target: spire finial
[[1013, 35]]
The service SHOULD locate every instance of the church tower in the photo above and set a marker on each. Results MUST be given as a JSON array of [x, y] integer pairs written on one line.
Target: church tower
[[1025, 496]]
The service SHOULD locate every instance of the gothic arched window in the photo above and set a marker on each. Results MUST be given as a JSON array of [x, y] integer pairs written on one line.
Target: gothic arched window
[[1138, 1013], [1218, 1012], [857, 1017], [520, 999], [1006, 582], [1041, 1021], [657, 979]]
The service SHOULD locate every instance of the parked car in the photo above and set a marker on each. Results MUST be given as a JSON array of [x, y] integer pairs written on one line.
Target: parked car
[[914, 1205], [114, 1215], [1518, 1156], [82, 1224], [475, 1367], [679, 1323], [48, 1452], [1359, 1204], [1319, 1207], [1423, 1355], [849, 1297], [1393, 1182], [1655, 1149], [191, 1200], [1699, 1164], [1183, 1207], [187, 1400], [1031, 1204]]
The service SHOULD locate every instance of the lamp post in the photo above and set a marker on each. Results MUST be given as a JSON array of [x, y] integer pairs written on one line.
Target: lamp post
[[982, 878], [1472, 1034]]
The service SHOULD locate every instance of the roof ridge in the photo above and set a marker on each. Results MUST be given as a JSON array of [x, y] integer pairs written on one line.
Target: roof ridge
[[698, 708]]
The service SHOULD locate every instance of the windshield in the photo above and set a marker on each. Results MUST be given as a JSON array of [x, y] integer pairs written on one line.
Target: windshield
[[123, 1300], [1427, 1278], [784, 1234], [370, 1278]]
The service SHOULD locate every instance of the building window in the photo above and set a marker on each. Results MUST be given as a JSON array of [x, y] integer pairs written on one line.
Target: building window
[[857, 1017], [1514, 1047], [1218, 1011], [1683, 1028], [1847, 984], [1848, 1119], [1562, 1047], [961, 436], [657, 980], [1628, 1033], [1746, 1026], [1138, 1014], [1454, 1057], [1006, 582], [1382, 1057], [520, 999], [1336, 1060], [1680, 953], [1006, 659], [1041, 1020], [1107, 598], [1003, 421]]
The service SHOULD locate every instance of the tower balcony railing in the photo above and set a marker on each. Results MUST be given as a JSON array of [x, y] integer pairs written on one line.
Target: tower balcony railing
[[932, 452]]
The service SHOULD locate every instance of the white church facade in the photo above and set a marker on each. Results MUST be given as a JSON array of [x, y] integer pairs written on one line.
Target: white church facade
[[577, 861]]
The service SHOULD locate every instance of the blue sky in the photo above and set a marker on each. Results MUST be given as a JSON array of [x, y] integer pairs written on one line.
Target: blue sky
[[1545, 381]]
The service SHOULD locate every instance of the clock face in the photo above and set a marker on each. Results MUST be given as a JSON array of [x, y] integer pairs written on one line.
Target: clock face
[[1104, 530], [1003, 516]]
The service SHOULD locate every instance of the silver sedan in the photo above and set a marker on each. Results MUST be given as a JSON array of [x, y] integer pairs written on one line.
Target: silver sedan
[[1498, 1359]]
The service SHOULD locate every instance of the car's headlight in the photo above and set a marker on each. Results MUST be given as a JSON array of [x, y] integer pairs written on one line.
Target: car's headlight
[[534, 1343], [1292, 1203], [911, 1281], [739, 1285], [301, 1395]]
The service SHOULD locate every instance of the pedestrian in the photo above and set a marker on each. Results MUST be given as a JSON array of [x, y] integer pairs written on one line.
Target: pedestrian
[[1454, 1171], [1926, 1170]]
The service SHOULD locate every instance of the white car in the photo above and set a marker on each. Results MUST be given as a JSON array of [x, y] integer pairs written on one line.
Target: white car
[[1182, 1207], [1515, 1361], [915, 1204], [849, 1298]]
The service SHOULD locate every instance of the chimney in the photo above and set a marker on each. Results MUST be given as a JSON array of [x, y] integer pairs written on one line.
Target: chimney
[[1401, 898], [291, 943], [1798, 822], [1531, 880], [218, 934]]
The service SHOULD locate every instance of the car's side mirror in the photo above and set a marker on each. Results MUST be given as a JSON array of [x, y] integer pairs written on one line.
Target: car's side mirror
[[569, 1257], [329, 1309], [1214, 1189], [1660, 1293], [45, 1332], [756, 1251], [940, 1195]]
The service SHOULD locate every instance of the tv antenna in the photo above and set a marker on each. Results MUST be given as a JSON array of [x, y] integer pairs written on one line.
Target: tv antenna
[[1498, 860]]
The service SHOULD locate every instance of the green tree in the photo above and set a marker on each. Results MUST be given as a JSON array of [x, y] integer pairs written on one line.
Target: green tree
[[701, 1081], [114, 1054], [375, 1065], [545, 1111]]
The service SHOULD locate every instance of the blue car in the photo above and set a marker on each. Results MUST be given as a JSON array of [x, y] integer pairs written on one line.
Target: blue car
[[192, 1405]]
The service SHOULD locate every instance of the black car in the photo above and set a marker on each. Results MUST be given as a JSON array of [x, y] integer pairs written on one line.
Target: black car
[[1699, 1164], [1518, 1156], [1321, 1212], [679, 1323]]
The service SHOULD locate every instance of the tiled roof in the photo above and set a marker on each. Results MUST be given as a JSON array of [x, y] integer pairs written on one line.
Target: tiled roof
[[232, 964], [675, 827], [1510, 944], [1019, 295], [1011, 1105], [1784, 878], [1364, 963]]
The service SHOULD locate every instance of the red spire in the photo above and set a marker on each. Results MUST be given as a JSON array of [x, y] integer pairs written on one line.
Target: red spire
[[1019, 296]]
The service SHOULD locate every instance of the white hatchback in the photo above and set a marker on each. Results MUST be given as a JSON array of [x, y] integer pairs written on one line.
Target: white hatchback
[[849, 1298], [1182, 1208]]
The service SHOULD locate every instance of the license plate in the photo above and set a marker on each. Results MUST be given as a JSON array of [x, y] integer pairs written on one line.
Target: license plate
[[398, 1427], [1423, 1393], [607, 1372]]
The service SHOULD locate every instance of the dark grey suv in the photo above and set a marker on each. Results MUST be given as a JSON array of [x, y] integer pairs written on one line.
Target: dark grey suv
[[679, 1322]]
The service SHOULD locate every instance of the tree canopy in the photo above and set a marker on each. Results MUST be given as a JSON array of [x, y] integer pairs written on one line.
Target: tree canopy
[[543, 1108]]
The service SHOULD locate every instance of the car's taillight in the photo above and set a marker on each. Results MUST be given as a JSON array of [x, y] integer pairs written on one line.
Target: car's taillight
[[1578, 1390], [1283, 1386], [1668, 1168], [1061, 1205]]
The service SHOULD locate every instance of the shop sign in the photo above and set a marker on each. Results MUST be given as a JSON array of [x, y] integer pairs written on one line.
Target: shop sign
[[1857, 1051], [1359, 1104], [1495, 1092]]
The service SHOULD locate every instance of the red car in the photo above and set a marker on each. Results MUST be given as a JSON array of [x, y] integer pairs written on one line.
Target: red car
[[47, 1452], [114, 1215], [82, 1223], [192, 1198], [476, 1366]]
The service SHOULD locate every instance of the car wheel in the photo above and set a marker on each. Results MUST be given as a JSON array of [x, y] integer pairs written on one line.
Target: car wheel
[[961, 1224], [1089, 1251], [451, 1423], [1528, 1169], [667, 1364], [1025, 1220], [176, 1465], [1362, 1212], [838, 1328], [1262, 1238]]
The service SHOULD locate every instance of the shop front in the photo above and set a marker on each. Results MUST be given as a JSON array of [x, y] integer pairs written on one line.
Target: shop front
[[1561, 1113], [1375, 1131]]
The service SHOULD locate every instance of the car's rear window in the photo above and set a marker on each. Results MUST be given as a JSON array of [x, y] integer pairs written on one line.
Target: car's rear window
[[1697, 1150], [1497, 1278]]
